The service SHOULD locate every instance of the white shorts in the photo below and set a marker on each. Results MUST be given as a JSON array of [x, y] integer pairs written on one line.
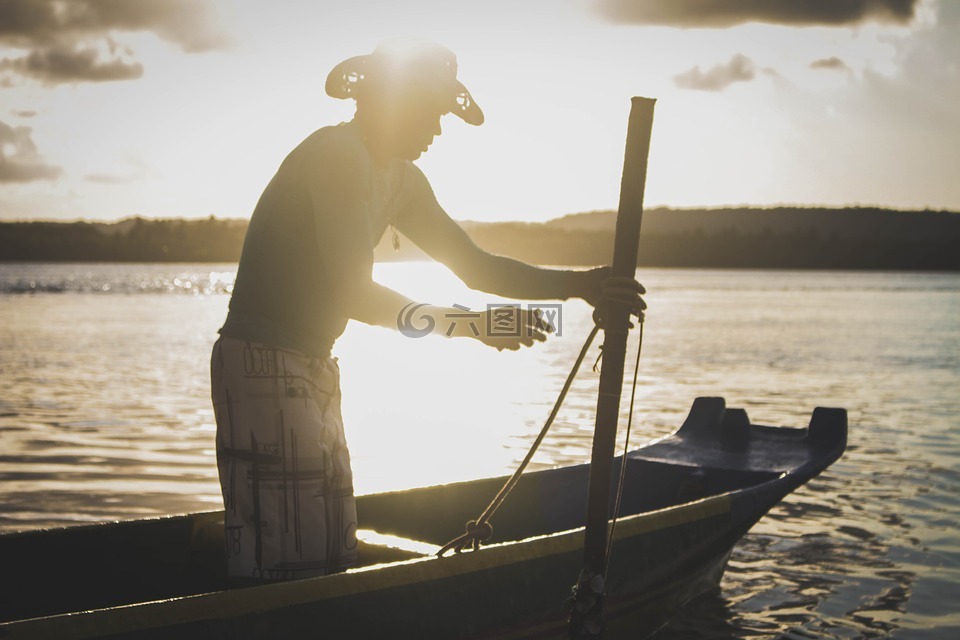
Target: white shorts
[[283, 461]]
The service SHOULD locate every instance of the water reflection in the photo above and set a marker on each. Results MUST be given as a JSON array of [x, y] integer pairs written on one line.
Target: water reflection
[[27, 278], [819, 586], [106, 414]]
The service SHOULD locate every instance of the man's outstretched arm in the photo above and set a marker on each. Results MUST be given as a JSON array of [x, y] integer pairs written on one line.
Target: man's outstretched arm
[[345, 247], [426, 223]]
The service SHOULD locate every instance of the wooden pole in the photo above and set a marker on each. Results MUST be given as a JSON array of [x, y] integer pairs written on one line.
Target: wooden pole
[[586, 618]]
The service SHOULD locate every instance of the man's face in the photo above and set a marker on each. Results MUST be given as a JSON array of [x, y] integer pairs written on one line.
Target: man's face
[[414, 121]]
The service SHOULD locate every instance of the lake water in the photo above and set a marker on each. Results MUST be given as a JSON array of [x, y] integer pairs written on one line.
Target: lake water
[[105, 414]]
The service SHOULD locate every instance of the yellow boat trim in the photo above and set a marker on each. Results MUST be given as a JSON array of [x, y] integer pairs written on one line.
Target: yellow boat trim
[[227, 604]]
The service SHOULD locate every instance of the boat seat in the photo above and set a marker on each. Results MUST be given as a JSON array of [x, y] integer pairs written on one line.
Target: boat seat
[[710, 418], [828, 425], [705, 418], [735, 429]]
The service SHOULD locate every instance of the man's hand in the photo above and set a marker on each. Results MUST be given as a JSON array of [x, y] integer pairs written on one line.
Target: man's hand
[[599, 288], [512, 327]]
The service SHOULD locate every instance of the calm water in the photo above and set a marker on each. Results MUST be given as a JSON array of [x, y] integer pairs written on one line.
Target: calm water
[[105, 413]]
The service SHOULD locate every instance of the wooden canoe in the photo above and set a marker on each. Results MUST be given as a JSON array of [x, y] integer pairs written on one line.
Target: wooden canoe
[[688, 498]]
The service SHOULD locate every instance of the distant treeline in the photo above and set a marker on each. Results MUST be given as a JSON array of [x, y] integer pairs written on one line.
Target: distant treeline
[[794, 238], [780, 238], [130, 240]]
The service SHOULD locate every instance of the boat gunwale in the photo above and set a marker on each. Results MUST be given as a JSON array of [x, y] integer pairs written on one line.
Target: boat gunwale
[[227, 603], [214, 605]]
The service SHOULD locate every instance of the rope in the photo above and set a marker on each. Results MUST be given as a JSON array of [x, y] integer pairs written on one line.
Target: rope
[[626, 446], [480, 529], [619, 290]]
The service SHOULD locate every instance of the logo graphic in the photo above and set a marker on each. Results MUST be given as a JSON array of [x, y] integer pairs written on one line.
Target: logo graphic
[[467, 314], [503, 320], [405, 321], [549, 317]]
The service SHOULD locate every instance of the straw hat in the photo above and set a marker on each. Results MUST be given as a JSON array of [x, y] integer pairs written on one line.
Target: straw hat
[[407, 64]]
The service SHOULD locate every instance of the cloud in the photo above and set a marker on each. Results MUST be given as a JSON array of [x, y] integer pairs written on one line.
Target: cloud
[[77, 63], [832, 63], [192, 24], [739, 69], [19, 160], [729, 13], [72, 40]]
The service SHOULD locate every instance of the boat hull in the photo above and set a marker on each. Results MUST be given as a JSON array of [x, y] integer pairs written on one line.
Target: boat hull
[[688, 499]]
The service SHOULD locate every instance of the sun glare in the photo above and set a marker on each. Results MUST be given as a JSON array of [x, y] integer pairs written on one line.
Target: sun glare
[[397, 404]]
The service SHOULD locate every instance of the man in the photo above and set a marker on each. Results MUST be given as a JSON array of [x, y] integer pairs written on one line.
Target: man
[[306, 269]]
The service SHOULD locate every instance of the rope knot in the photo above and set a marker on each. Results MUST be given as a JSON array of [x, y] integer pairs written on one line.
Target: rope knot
[[476, 532], [479, 531]]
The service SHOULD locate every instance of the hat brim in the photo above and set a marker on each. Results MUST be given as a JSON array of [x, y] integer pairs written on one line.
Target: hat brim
[[345, 79]]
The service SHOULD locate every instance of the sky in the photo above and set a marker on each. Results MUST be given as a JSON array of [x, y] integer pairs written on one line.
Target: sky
[[177, 108]]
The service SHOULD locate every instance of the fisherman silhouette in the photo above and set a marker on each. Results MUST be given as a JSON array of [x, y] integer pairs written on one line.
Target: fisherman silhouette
[[306, 269]]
